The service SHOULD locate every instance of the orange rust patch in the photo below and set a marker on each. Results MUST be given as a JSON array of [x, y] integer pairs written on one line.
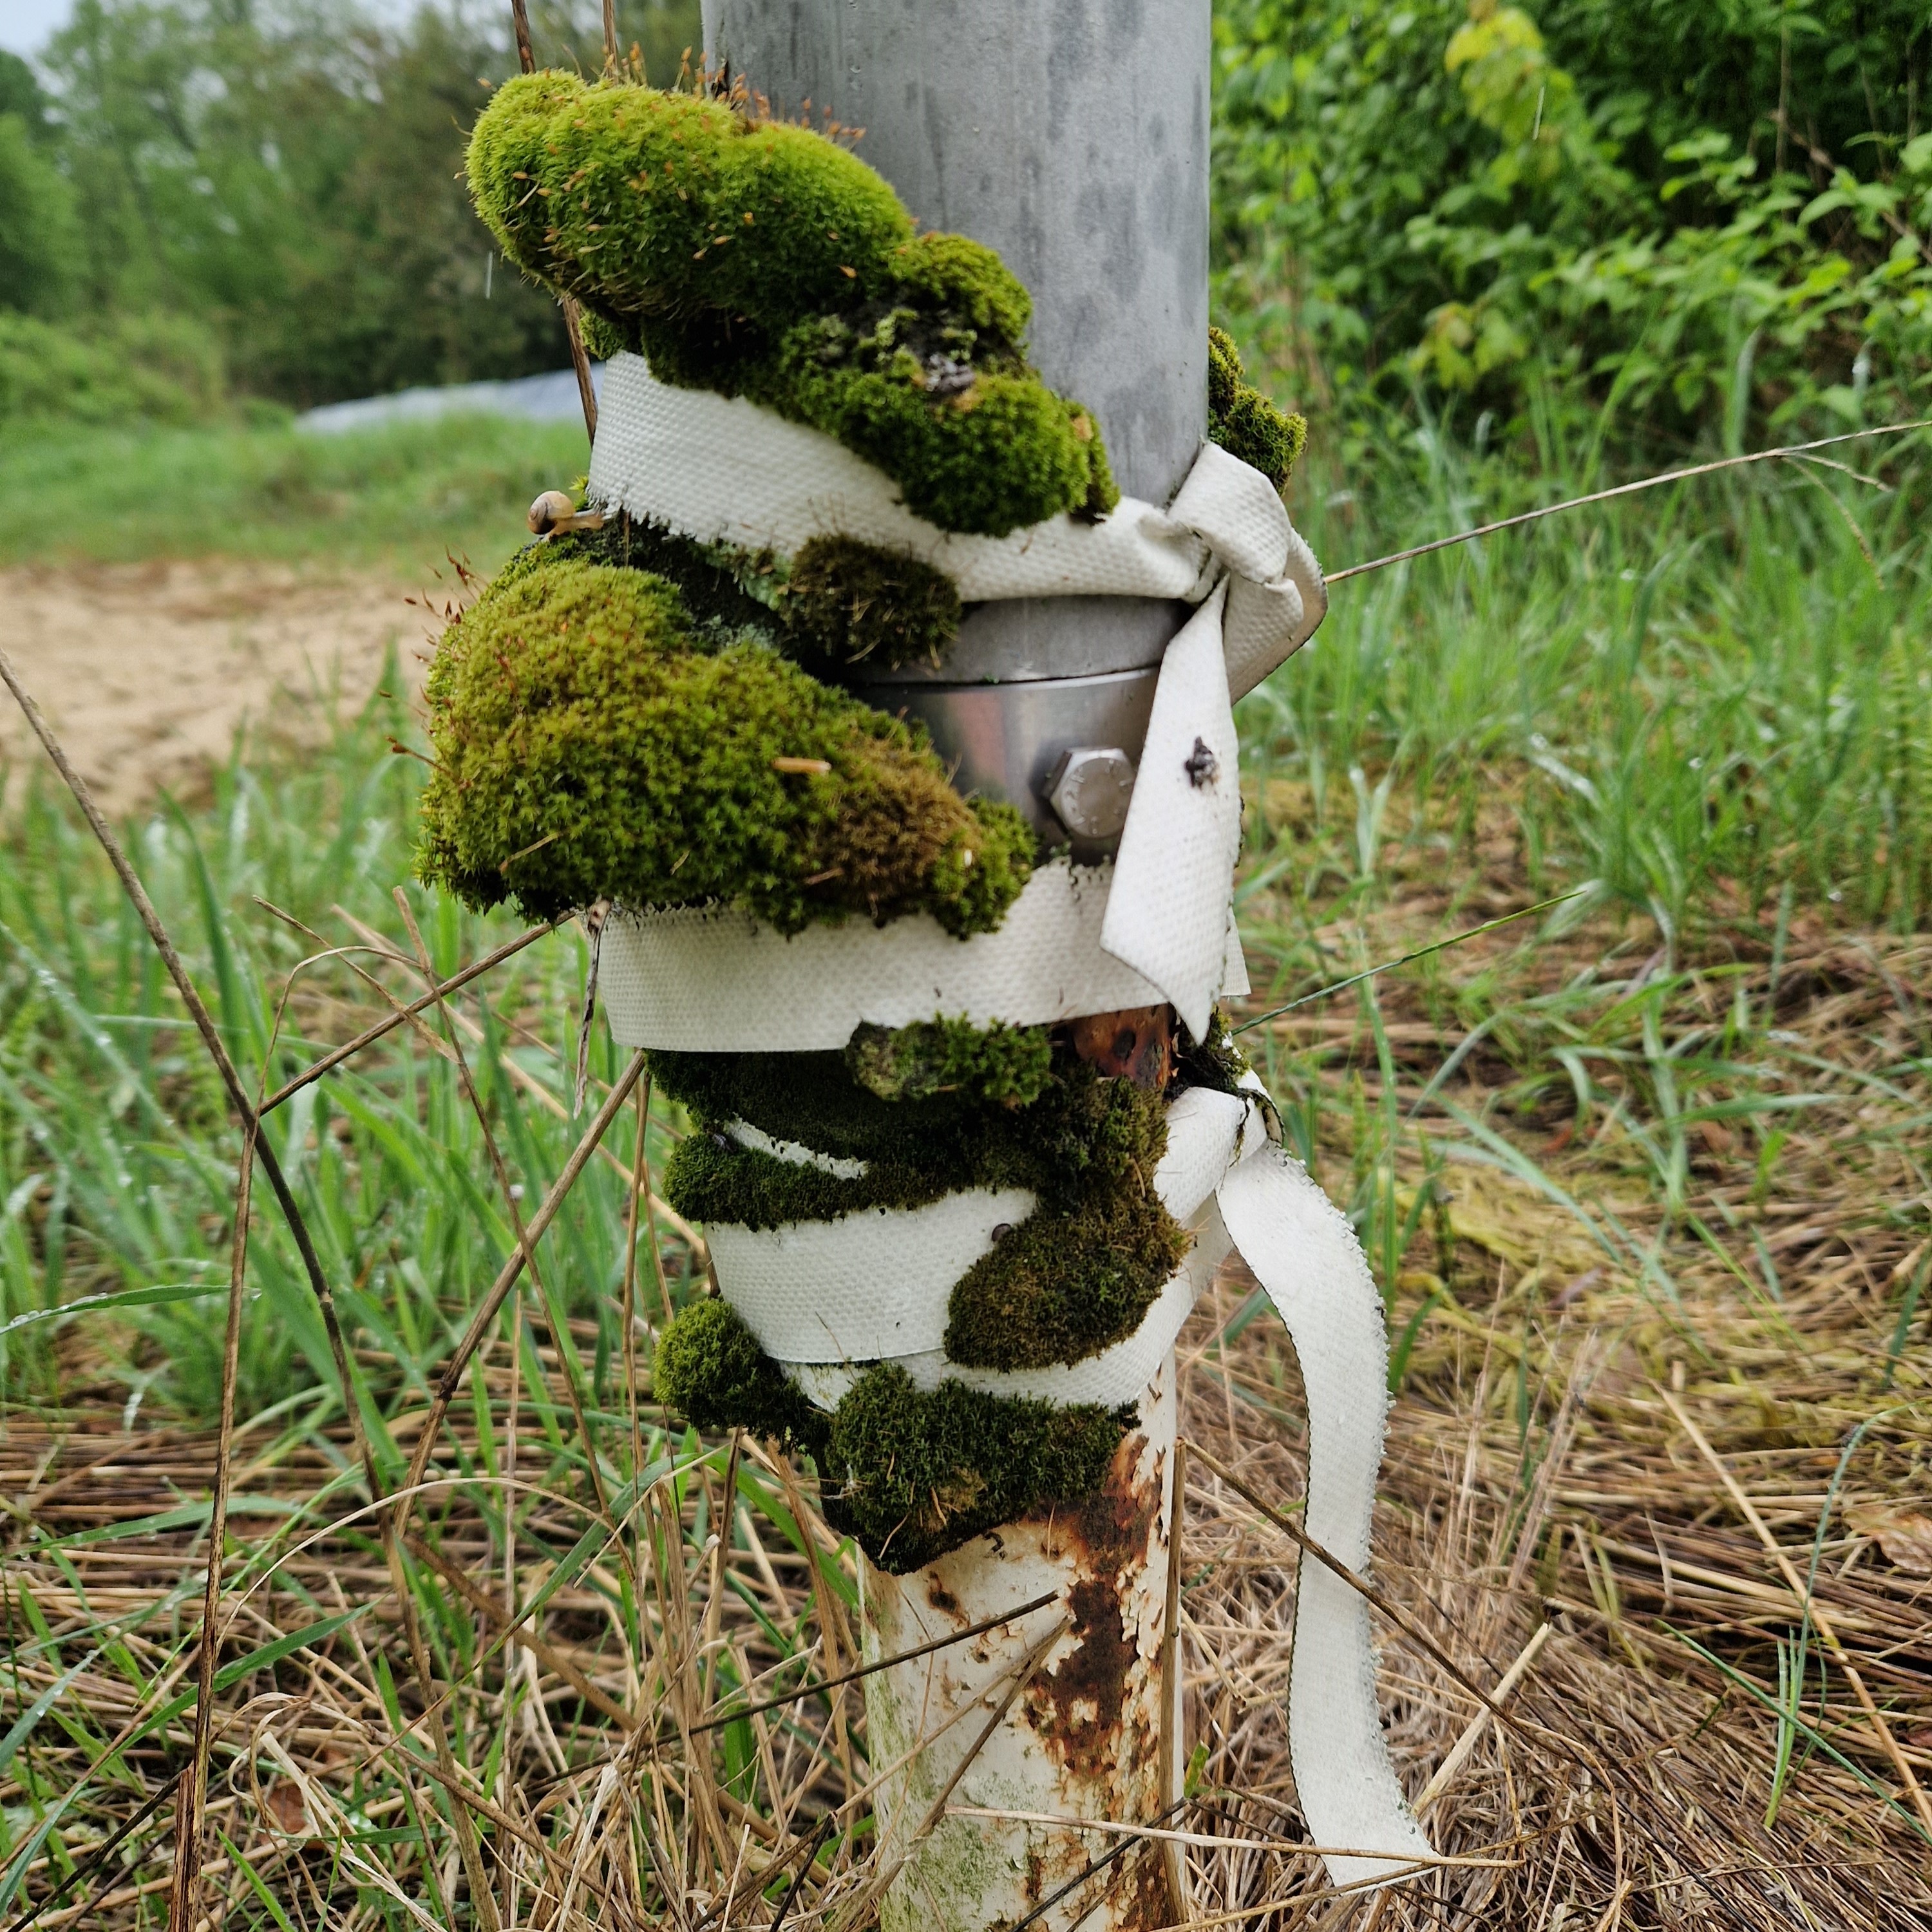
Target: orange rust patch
[[1136, 1044]]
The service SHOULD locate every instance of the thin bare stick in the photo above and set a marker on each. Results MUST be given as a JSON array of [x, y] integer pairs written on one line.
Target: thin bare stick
[[184, 1904], [520, 22], [218, 1051], [506, 1279], [1444, 1773], [1180, 1892], [508, 1189], [1623, 490], [610, 36], [869, 1670], [455, 982]]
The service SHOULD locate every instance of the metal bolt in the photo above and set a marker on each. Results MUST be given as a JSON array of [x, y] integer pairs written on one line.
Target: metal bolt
[[1089, 790]]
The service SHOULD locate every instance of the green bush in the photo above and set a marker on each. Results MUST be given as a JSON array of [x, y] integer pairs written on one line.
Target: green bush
[[127, 369], [39, 231], [1580, 207]]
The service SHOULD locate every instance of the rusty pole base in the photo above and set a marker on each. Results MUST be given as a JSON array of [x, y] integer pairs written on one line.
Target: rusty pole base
[[1085, 1739]]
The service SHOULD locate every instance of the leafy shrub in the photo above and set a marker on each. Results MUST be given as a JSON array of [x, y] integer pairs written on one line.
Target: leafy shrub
[[1604, 209], [155, 368]]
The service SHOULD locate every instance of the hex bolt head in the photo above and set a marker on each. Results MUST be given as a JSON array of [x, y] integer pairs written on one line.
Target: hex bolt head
[[1089, 788]]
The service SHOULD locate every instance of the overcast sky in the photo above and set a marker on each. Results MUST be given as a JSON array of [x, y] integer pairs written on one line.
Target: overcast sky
[[25, 25]]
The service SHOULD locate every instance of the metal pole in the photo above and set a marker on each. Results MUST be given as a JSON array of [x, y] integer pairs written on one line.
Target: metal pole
[[1072, 136]]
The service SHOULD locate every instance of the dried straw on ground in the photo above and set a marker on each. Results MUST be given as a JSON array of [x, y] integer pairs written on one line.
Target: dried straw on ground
[[1644, 1463]]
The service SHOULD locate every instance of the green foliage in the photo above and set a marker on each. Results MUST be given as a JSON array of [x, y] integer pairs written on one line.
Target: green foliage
[[130, 369], [39, 230], [760, 258], [288, 176], [1580, 209], [1243, 421], [847, 602], [1004, 1065], [591, 743]]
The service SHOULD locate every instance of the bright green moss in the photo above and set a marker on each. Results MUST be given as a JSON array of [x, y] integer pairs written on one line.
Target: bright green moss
[[760, 258], [711, 1370], [588, 744], [1007, 1066], [846, 603], [1074, 1277], [1243, 421], [645, 204], [909, 1474]]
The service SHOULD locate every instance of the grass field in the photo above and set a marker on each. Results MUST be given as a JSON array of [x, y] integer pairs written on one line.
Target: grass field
[[1643, 1178], [393, 498]]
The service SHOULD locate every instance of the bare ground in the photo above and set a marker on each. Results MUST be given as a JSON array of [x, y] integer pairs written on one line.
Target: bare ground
[[147, 671]]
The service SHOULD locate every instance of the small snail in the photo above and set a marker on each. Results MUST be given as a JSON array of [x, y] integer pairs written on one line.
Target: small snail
[[555, 511]]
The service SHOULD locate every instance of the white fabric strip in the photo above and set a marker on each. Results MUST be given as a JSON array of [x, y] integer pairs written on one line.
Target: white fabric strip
[[865, 1286], [1305, 1254], [876, 1284], [724, 470], [1115, 1376], [1173, 880], [695, 979]]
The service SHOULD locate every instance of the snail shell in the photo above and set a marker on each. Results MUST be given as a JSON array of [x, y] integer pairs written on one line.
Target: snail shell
[[553, 508]]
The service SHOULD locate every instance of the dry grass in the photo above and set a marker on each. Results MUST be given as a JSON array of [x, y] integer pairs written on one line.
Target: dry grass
[[1616, 1416]]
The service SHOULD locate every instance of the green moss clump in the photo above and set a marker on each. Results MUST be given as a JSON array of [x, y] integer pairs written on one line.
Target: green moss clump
[[1004, 1066], [588, 744], [1080, 1274], [759, 258], [711, 1370], [729, 595], [1243, 421], [846, 603], [920, 1474], [1074, 1277], [909, 1474]]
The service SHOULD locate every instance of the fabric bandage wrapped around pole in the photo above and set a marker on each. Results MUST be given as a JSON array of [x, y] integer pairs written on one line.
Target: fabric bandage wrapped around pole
[[881, 690]]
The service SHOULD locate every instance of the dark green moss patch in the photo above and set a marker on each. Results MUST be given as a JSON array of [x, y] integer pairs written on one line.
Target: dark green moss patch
[[711, 1370], [908, 1474], [759, 258], [847, 603], [911, 1475], [1215, 1062], [1079, 1275], [591, 743], [1075, 1276], [1243, 421], [1006, 1066]]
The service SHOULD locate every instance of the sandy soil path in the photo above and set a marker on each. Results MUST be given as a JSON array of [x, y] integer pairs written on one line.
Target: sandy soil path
[[149, 670]]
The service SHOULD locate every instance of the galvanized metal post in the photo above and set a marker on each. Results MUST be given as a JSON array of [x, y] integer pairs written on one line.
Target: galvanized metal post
[[1072, 136]]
